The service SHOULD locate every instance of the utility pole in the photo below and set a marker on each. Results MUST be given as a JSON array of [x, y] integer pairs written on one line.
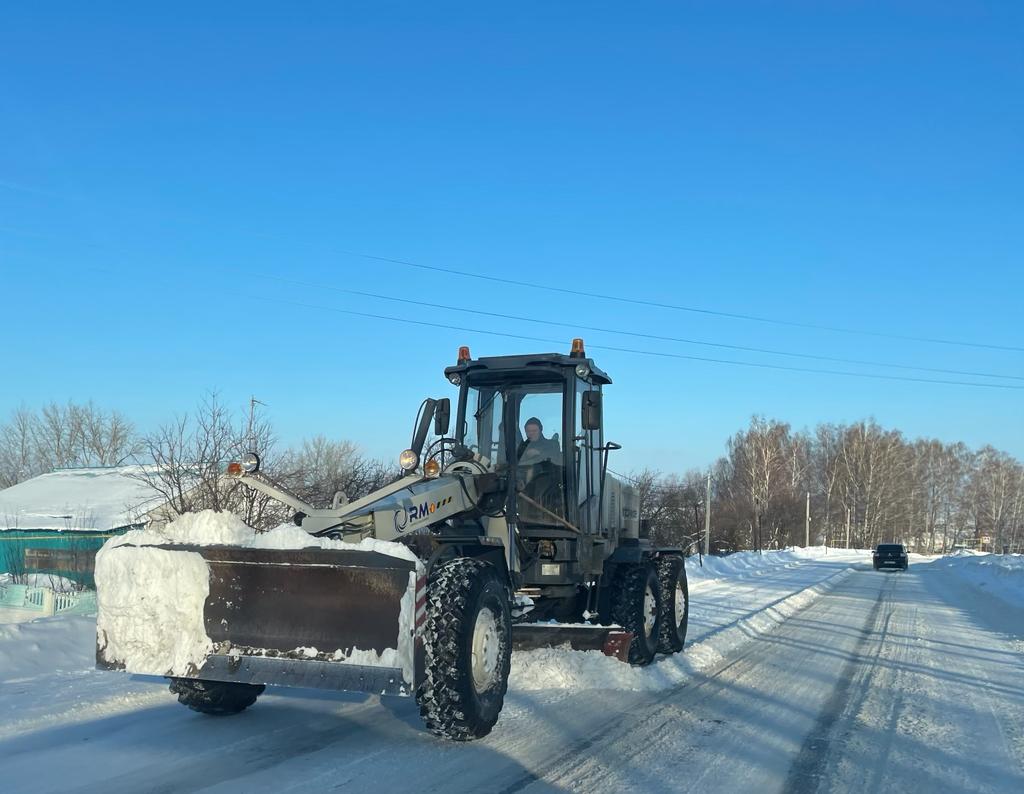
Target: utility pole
[[696, 528], [807, 523], [707, 518], [847, 528], [253, 402]]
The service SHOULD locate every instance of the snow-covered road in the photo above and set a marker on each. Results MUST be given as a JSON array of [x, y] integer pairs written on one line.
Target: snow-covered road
[[815, 674], [888, 683]]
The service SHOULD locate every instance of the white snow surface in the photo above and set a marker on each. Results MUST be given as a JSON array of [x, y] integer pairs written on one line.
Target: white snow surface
[[150, 609], [43, 647], [584, 670], [803, 671], [213, 528], [59, 584], [1000, 574], [85, 499]]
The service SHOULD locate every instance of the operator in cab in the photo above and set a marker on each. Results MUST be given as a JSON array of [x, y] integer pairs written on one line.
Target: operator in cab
[[536, 448]]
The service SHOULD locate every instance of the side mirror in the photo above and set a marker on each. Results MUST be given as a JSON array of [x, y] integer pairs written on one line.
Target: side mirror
[[591, 410], [442, 416], [420, 436]]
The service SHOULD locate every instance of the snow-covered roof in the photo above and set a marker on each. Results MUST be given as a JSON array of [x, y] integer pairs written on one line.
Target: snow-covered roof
[[86, 500]]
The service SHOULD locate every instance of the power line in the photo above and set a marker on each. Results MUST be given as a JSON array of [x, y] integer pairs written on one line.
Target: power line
[[681, 308], [634, 351], [657, 337]]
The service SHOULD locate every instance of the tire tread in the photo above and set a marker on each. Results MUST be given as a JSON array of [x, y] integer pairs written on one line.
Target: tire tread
[[669, 568], [442, 694], [627, 610]]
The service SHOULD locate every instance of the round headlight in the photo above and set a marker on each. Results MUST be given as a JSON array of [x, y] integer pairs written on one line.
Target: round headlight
[[250, 462], [582, 370], [408, 460], [455, 379]]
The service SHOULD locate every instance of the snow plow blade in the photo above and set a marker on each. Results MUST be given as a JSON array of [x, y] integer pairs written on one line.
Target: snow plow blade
[[325, 618], [611, 641]]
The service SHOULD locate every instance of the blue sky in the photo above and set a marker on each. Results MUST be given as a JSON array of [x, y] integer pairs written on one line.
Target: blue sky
[[167, 178]]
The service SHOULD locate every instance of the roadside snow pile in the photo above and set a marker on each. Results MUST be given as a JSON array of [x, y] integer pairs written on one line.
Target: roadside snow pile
[[1000, 574], [742, 609], [150, 600], [752, 563]]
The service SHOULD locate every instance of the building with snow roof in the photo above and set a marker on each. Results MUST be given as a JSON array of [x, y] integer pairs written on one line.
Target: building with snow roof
[[56, 522]]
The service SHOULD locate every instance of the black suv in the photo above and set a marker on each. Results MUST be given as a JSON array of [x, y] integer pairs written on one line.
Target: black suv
[[890, 555]]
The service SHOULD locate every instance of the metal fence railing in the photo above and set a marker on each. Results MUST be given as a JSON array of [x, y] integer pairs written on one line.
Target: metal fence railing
[[47, 601]]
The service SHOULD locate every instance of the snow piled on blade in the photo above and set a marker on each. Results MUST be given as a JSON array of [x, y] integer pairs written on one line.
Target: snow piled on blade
[[150, 600], [150, 609], [212, 528]]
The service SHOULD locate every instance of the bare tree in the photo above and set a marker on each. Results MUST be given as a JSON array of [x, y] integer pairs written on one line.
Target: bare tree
[[891, 489], [321, 468], [56, 436], [672, 506], [761, 463], [992, 486], [183, 461], [18, 459], [104, 438]]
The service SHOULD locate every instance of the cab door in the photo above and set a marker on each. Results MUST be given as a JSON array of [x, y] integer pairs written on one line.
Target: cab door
[[538, 454], [588, 464]]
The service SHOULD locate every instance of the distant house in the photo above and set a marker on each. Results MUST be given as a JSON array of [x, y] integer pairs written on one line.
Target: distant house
[[55, 523]]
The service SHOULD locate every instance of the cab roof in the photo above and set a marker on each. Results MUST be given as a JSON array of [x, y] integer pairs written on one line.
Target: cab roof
[[555, 362]]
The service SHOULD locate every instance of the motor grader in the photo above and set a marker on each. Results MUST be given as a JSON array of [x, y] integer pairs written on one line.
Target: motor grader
[[520, 538]]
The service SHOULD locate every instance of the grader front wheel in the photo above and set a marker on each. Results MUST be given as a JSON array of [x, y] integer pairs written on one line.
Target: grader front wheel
[[468, 643]]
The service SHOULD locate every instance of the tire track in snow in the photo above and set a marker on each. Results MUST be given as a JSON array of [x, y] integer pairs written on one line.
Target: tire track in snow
[[248, 753], [109, 706], [806, 771], [656, 711], [930, 704], [615, 732]]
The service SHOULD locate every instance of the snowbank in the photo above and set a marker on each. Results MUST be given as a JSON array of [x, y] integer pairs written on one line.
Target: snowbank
[[742, 563], [1000, 574], [565, 669], [28, 650]]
